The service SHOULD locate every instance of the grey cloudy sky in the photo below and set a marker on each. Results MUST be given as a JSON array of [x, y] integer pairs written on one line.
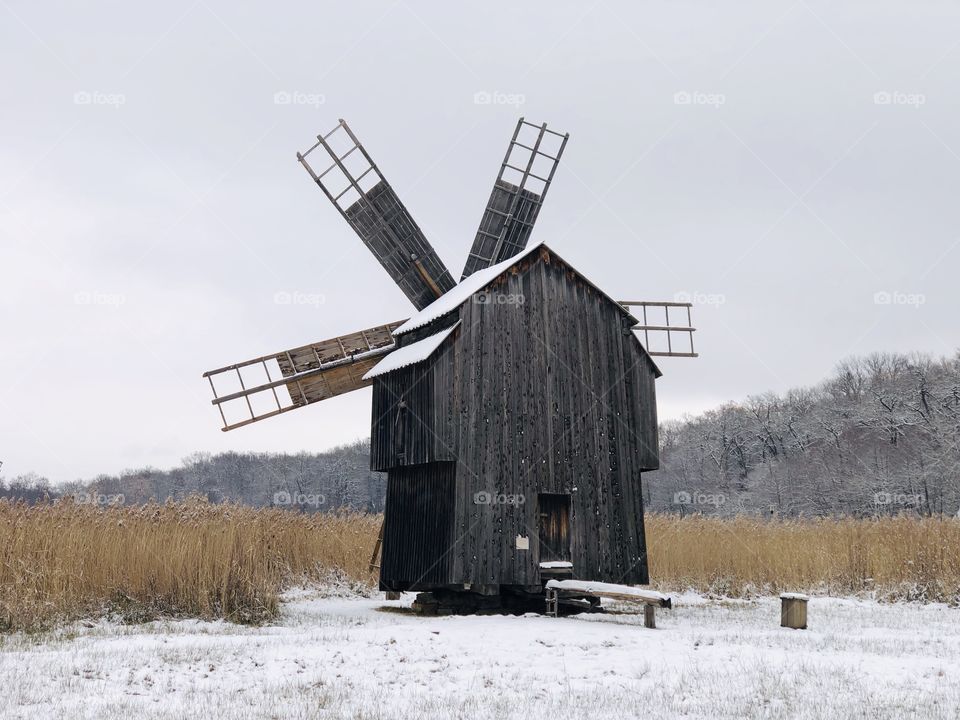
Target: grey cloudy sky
[[782, 163]]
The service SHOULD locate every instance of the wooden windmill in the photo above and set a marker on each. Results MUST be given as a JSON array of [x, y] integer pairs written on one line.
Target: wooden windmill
[[513, 414]]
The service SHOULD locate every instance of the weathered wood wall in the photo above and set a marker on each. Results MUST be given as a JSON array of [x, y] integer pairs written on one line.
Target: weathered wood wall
[[554, 395], [421, 429], [542, 389], [417, 526]]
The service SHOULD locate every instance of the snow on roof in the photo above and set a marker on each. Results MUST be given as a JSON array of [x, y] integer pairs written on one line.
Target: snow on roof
[[555, 565], [410, 354], [459, 294]]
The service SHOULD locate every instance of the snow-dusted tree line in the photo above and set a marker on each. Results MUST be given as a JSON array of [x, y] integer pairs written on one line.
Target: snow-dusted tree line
[[879, 437], [338, 478]]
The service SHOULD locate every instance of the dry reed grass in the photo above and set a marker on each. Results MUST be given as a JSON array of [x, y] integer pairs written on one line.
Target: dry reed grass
[[897, 558], [63, 561]]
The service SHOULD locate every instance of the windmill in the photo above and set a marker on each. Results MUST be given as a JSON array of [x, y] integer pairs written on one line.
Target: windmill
[[440, 385], [269, 385]]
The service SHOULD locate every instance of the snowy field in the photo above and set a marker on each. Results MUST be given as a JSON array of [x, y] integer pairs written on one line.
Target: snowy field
[[347, 657]]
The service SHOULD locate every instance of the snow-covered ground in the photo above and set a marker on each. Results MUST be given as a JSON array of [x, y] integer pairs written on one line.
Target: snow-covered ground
[[347, 657]]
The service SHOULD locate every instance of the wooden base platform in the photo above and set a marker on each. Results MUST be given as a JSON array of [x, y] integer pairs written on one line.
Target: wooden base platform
[[464, 602]]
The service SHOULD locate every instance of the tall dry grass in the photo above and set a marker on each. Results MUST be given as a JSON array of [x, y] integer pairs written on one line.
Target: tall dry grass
[[62, 561], [894, 557]]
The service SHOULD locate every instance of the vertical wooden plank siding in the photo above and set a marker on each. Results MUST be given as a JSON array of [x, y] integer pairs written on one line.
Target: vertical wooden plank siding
[[418, 526], [412, 409], [542, 389], [562, 400]]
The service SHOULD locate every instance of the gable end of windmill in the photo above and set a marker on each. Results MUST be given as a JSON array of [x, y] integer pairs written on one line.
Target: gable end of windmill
[[523, 381], [445, 310]]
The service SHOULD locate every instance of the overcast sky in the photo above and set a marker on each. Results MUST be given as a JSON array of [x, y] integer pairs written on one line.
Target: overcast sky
[[792, 167]]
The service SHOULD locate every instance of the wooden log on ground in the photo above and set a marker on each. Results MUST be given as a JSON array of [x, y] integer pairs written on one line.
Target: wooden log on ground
[[793, 611]]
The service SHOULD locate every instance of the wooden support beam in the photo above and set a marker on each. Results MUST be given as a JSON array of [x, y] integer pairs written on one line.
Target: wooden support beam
[[650, 616], [375, 556]]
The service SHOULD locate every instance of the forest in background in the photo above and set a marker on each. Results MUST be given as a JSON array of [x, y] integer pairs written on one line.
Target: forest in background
[[330, 480], [879, 437]]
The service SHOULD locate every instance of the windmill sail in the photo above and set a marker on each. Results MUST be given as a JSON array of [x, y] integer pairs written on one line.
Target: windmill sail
[[518, 193], [355, 185], [658, 335], [273, 384]]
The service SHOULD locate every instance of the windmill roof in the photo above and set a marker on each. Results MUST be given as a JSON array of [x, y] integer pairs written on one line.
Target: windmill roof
[[410, 354], [454, 298]]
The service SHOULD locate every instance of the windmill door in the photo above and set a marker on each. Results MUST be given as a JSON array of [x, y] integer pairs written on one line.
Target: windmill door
[[554, 509]]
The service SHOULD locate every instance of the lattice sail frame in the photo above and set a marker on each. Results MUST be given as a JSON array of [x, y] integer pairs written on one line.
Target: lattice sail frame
[[307, 374], [648, 307], [513, 208], [359, 191], [315, 372]]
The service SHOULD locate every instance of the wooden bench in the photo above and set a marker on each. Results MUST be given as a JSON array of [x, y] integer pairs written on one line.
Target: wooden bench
[[650, 599]]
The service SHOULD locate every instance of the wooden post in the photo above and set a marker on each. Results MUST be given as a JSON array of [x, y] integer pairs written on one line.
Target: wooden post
[[375, 557], [391, 595], [793, 611], [553, 603], [649, 616]]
